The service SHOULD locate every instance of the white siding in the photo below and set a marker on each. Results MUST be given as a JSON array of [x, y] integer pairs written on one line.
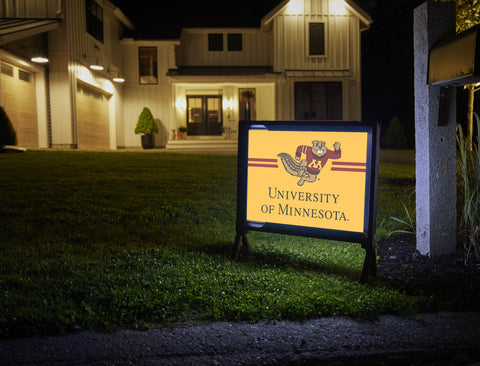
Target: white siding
[[156, 97], [193, 50], [71, 51], [290, 32], [341, 61]]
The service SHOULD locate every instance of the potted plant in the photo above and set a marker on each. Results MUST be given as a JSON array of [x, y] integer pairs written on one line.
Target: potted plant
[[182, 132], [148, 127]]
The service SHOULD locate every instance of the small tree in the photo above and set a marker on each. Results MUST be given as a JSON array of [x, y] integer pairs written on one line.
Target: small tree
[[8, 135], [394, 137], [146, 123]]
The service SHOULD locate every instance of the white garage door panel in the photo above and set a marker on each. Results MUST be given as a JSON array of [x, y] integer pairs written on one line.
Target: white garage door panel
[[19, 102], [92, 119]]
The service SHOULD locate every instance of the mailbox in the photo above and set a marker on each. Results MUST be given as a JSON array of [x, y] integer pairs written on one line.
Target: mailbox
[[455, 61]]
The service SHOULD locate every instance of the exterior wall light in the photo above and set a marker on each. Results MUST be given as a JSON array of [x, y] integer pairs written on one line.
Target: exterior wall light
[[96, 67], [39, 59]]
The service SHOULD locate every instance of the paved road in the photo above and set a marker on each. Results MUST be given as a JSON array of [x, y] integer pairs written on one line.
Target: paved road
[[431, 339]]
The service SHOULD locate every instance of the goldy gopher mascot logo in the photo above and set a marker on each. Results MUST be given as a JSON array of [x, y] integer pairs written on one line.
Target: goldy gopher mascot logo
[[316, 156]]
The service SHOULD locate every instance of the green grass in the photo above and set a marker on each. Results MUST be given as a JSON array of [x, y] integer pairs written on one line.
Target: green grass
[[108, 240]]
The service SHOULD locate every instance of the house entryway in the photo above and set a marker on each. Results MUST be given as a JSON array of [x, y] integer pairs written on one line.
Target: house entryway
[[204, 117]]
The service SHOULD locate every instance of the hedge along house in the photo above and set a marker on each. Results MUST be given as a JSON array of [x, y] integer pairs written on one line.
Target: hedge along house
[[302, 62]]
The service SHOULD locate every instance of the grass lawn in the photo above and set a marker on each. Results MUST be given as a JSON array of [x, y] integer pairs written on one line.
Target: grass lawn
[[92, 240]]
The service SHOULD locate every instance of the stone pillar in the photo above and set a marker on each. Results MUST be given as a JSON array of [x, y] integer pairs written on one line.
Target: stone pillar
[[435, 145]]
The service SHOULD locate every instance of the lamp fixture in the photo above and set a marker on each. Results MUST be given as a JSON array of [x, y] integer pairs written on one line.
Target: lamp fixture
[[118, 79], [39, 59], [96, 66]]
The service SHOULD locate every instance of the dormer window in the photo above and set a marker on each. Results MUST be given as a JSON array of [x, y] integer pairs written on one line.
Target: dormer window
[[215, 42], [316, 38], [94, 20], [234, 42]]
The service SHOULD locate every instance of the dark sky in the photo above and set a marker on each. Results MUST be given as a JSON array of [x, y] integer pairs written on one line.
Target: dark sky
[[387, 47], [166, 18]]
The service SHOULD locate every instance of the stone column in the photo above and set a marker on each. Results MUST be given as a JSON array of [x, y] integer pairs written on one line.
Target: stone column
[[435, 145]]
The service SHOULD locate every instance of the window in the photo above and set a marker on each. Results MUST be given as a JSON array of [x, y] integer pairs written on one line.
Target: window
[[147, 65], [235, 42], [7, 69], [215, 42], [94, 20], [318, 101], [316, 46], [24, 75]]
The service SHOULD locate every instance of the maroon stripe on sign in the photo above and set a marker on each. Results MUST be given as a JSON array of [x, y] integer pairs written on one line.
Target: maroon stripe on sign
[[349, 170], [348, 163], [263, 160], [264, 165]]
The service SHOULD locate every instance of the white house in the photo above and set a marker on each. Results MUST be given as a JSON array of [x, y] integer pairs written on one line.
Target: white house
[[302, 62]]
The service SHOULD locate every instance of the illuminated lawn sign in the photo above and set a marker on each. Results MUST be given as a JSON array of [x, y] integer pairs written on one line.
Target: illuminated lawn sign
[[316, 179]]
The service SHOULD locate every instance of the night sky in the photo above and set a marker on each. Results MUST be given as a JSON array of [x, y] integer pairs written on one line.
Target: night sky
[[387, 47]]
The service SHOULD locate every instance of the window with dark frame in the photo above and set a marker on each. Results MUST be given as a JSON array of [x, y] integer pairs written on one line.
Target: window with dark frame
[[94, 20], [316, 39], [318, 101], [147, 65], [215, 42], [235, 41]]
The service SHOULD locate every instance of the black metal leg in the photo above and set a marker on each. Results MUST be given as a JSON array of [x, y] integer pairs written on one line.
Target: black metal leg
[[240, 239]]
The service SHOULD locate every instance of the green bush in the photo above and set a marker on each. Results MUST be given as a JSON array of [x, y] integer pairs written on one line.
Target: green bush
[[394, 137], [7, 132], [146, 123], [468, 177]]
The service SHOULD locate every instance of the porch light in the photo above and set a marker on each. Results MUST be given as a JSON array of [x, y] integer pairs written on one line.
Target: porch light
[[295, 7], [39, 59], [337, 7], [118, 79], [181, 104], [96, 67]]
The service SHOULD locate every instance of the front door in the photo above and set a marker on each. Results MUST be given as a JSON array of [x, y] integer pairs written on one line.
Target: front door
[[204, 115]]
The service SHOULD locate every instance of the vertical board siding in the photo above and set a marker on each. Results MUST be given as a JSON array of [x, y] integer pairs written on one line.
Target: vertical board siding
[[193, 49], [290, 32], [156, 97]]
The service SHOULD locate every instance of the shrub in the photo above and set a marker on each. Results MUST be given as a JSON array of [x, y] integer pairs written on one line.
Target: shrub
[[468, 176], [146, 123], [7, 132], [394, 137]]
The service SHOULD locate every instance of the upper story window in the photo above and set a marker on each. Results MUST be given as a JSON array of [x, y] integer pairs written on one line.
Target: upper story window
[[234, 42], [147, 65], [94, 20], [215, 42], [316, 38]]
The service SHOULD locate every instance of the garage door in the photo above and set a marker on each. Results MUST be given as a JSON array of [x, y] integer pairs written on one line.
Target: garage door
[[92, 119], [20, 103]]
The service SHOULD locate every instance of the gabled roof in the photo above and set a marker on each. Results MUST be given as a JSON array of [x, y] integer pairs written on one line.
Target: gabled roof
[[365, 19]]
